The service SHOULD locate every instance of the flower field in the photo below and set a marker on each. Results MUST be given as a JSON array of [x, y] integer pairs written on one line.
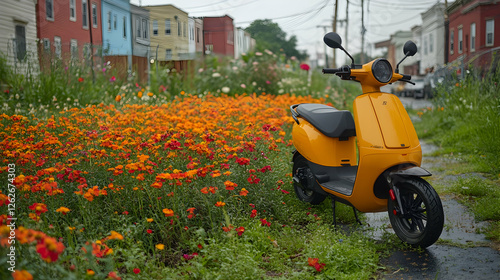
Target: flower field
[[197, 188]]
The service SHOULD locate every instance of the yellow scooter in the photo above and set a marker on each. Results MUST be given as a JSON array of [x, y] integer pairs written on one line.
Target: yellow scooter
[[387, 176]]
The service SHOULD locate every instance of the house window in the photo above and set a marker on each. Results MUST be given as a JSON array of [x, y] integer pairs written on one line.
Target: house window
[[46, 45], [155, 27], [72, 10], [460, 40], [452, 42], [94, 15], [145, 28], [490, 26], [57, 46], [197, 35], [168, 29], [425, 45], [184, 29], [85, 22], [74, 49], [49, 9], [472, 37], [230, 37], [431, 43], [179, 28], [138, 31], [109, 21], [115, 22], [20, 42], [124, 27], [168, 54]]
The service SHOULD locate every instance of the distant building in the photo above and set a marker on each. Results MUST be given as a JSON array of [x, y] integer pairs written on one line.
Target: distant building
[[195, 27], [18, 34], [68, 29], [395, 50], [140, 41], [243, 43], [219, 35], [474, 32], [116, 33], [169, 32], [432, 49]]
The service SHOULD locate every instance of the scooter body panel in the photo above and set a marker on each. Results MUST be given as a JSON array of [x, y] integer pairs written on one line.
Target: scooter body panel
[[321, 149]]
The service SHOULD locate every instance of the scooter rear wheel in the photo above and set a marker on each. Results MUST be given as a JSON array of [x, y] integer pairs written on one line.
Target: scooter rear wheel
[[306, 182], [422, 220]]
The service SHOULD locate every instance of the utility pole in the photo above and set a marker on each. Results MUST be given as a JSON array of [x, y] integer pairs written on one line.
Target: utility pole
[[324, 45], [346, 24], [335, 30], [363, 31], [446, 32]]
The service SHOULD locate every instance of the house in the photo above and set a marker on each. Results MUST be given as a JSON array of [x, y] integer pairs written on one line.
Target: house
[[395, 51], [18, 34], [432, 48], [68, 29], [116, 34], [169, 35], [243, 43], [195, 26], [474, 33], [140, 42], [218, 34]]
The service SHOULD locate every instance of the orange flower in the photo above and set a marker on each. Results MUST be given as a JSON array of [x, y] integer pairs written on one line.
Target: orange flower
[[314, 262], [63, 210], [220, 204], [118, 98], [243, 192], [168, 212], [90, 272], [39, 208], [240, 230], [115, 235], [160, 246], [49, 249], [230, 185], [22, 275]]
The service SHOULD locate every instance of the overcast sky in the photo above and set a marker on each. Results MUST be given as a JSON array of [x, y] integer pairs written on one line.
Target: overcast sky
[[304, 18]]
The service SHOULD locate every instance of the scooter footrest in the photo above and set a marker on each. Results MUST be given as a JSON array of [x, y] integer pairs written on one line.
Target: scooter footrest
[[322, 178]]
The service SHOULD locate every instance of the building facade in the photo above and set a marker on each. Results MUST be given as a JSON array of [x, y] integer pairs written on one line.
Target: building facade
[[18, 38], [68, 29], [432, 48], [195, 27], [169, 33], [116, 29], [474, 32], [218, 34], [243, 42], [140, 42]]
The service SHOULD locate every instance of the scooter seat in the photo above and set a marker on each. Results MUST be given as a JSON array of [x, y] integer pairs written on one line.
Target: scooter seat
[[328, 120]]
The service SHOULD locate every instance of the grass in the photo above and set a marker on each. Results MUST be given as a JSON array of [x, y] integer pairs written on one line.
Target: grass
[[464, 124]]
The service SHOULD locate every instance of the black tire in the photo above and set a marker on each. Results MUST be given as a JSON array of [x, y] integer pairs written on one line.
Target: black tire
[[423, 219], [304, 188]]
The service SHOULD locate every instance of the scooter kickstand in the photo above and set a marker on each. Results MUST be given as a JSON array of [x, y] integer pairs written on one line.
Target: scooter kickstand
[[356, 215], [333, 208]]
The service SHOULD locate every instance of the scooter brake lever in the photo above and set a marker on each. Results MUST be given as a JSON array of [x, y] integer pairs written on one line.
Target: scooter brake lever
[[402, 80]]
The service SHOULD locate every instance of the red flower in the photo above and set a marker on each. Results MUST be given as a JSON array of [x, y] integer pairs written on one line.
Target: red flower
[[149, 231], [136, 270], [254, 213], [80, 79], [305, 67], [39, 208], [230, 185], [264, 222], [240, 230], [49, 249], [314, 262]]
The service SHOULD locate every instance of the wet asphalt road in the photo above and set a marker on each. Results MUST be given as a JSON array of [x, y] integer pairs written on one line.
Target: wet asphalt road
[[461, 253]]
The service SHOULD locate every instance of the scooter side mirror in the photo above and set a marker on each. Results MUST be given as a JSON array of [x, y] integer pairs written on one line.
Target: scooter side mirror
[[409, 49], [333, 40]]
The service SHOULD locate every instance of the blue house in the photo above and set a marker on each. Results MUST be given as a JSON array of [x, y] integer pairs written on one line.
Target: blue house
[[116, 29]]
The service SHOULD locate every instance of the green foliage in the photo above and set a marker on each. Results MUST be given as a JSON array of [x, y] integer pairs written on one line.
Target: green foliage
[[269, 36]]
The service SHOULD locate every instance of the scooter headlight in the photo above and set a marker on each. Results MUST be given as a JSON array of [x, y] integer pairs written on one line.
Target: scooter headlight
[[382, 70]]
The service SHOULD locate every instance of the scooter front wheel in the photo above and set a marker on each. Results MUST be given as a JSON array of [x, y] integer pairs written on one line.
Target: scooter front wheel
[[419, 219], [304, 182]]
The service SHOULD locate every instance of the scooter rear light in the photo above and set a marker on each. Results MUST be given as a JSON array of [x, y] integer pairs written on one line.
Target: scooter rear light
[[395, 212], [391, 194]]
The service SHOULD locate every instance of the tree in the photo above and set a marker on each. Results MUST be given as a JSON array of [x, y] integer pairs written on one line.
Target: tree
[[268, 35]]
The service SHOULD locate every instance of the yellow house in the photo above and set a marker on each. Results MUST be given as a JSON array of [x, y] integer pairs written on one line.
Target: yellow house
[[169, 32]]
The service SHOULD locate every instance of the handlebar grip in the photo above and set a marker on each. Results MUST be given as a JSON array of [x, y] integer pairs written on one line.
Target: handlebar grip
[[331, 70], [406, 77]]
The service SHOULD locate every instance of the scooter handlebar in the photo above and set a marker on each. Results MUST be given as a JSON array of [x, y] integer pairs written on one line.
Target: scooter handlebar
[[331, 70]]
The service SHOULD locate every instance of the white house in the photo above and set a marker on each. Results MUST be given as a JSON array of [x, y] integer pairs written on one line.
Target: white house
[[432, 47], [18, 40], [243, 42]]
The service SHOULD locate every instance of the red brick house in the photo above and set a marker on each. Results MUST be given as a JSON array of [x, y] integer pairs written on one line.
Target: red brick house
[[474, 32], [218, 35], [66, 28]]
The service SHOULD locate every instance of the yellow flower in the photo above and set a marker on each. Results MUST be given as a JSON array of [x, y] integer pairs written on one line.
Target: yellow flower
[[63, 210], [160, 246]]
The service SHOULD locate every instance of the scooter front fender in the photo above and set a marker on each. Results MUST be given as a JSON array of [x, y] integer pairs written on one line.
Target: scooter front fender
[[409, 170]]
